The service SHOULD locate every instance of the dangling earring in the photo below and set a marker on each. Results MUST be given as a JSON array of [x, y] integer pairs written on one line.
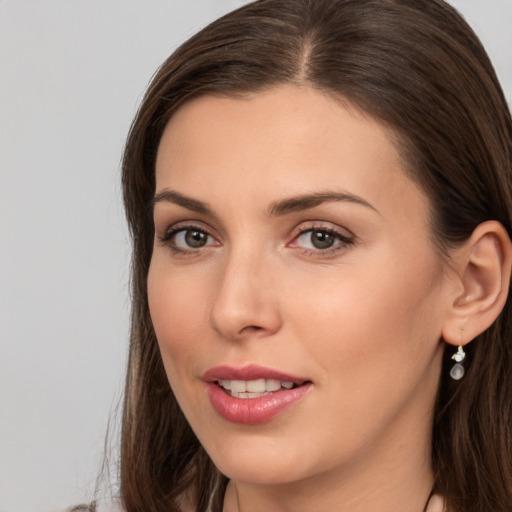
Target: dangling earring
[[457, 371]]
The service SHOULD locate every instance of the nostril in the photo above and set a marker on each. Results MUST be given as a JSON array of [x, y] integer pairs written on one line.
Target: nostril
[[250, 330]]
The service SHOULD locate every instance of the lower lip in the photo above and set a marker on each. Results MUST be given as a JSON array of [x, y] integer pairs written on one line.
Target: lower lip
[[250, 411]]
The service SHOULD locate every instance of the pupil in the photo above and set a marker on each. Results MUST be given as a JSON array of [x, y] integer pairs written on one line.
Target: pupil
[[321, 239], [195, 238]]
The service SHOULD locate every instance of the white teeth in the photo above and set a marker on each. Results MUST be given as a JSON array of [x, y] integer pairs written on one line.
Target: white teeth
[[256, 386], [238, 386], [272, 385], [253, 388], [226, 384]]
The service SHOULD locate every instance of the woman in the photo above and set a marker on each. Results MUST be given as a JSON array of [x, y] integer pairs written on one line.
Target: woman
[[319, 193]]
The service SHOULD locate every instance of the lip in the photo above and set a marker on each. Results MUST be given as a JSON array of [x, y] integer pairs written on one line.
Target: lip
[[250, 372], [251, 411]]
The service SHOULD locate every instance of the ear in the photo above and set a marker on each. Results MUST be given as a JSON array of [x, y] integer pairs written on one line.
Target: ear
[[482, 269]]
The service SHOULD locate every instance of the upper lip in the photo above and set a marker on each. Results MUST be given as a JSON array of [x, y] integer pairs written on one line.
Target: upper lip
[[249, 372]]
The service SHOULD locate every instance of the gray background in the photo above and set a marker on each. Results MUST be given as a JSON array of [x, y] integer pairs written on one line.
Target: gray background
[[72, 74]]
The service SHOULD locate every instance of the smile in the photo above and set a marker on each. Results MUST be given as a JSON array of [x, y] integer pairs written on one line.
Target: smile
[[254, 388], [253, 394]]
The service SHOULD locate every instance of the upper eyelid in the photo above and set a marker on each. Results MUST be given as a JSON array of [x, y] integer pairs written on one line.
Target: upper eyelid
[[331, 231], [184, 225], [165, 218], [301, 228], [322, 225]]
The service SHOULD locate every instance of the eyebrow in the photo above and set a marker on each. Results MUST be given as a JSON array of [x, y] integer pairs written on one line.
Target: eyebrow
[[171, 196], [307, 201], [276, 209]]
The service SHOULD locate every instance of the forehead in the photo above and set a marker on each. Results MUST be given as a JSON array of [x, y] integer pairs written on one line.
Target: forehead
[[285, 141]]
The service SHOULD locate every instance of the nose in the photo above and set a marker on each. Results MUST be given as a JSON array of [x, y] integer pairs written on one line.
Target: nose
[[245, 303]]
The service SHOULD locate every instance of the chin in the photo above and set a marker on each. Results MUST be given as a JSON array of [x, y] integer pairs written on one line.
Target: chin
[[259, 473], [259, 460]]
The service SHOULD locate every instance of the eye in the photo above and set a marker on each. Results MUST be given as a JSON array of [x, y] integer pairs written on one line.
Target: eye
[[187, 239], [191, 238], [321, 240]]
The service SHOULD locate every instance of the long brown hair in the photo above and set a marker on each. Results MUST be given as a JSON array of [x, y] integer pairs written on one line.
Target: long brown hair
[[416, 66]]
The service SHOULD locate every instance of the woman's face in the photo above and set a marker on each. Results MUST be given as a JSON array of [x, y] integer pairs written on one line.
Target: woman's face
[[292, 250]]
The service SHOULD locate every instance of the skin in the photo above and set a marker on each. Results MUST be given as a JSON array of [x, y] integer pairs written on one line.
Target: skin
[[362, 320]]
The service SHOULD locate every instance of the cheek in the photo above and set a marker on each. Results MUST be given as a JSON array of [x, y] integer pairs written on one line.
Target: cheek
[[372, 338], [178, 317], [370, 321]]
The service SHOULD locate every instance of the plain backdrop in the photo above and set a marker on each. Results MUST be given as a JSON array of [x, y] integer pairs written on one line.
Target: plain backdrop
[[72, 73]]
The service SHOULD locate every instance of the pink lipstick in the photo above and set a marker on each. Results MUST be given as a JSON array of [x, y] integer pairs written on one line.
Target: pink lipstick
[[253, 394]]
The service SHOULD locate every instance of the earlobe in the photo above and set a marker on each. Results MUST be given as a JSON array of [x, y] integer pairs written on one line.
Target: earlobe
[[483, 267]]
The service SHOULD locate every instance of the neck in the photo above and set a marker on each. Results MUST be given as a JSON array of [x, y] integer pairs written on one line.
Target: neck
[[242, 498], [385, 480], [322, 494]]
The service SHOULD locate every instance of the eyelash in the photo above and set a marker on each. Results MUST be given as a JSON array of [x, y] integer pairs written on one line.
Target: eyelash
[[343, 241], [169, 239]]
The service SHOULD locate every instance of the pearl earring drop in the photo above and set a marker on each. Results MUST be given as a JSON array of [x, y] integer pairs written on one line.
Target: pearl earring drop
[[457, 371]]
